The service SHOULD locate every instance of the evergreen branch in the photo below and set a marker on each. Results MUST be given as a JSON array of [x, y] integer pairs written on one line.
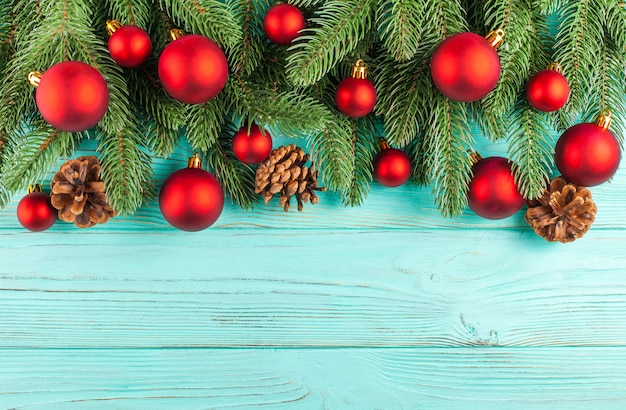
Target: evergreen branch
[[339, 27], [546, 7], [364, 145], [400, 26], [160, 139], [306, 3], [204, 123], [247, 54], [616, 23], [134, 12], [126, 170]]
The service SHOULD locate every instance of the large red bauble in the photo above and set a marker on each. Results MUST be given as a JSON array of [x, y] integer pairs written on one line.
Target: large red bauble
[[253, 147], [547, 90], [355, 97], [191, 199], [282, 23], [72, 96], [130, 46], [193, 69], [587, 154], [392, 167], [492, 191], [465, 67], [35, 212]]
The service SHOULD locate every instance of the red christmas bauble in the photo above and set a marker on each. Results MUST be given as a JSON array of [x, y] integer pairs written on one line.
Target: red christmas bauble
[[282, 23], [130, 46], [547, 90], [191, 199], [35, 212], [355, 97], [587, 154], [253, 147], [392, 167], [492, 191], [72, 96], [193, 69], [465, 67]]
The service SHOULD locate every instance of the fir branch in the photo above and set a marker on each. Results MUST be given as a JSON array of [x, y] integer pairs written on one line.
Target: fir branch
[[131, 12], [616, 23], [126, 170], [400, 26], [339, 27], [204, 123], [160, 139], [547, 7], [247, 54], [306, 3], [364, 145]]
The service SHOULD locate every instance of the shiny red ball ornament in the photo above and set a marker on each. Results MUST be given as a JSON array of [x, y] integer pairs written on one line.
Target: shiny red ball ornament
[[35, 212], [356, 96], [588, 154], [191, 199], [392, 167], [282, 23], [548, 90], [72, 96], [253, 147], [193, 69], [129, 46], [492, 191], [466, 67]]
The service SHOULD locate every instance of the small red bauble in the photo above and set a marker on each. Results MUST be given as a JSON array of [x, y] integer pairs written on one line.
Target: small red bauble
[[253, 147], [129, 46], [72, 96], [191, 199], [588, 154], [392, 167], [193, 69], [35, 212], [356, 96], [282, 23], [492, 191], [466, 67], [548, 90]]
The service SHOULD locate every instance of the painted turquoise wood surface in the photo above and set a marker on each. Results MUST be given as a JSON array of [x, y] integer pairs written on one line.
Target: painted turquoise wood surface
[[386, 306]]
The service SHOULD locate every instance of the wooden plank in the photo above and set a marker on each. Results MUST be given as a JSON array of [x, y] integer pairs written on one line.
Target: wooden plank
[[469, 378], [274, 288]]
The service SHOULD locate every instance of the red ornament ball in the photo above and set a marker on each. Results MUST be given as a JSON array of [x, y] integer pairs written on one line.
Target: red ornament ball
[[355, 97], [547, 90], [587, 154], [191, 199], [492, 191], [392, 167], [253, 147], [465, 67], [130, 46], [35, 212], [72, 96], [193, 69], [282, 23]]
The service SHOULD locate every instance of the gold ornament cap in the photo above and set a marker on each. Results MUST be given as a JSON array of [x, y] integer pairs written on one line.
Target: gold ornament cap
[[194, 162], [34, 188], [34, 78], [112, 26], [474, 157], [495, 37], [359, 70], [555, 67], [383, 144], [176, 33], [604, 119]]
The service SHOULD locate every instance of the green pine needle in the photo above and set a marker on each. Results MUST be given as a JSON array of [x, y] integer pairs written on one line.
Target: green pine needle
[[400, 28]]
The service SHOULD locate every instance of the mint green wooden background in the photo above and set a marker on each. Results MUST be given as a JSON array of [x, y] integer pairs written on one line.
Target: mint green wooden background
[[385, 306]]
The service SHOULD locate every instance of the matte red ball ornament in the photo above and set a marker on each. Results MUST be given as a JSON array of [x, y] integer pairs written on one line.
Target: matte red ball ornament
[[253, 147], [356, 96], [588, 154], [492, 191], [35, 212], [192, 68], [191, 199], [282, 23], [72, 96], [548, 90], [129, 46], [466, 67], [392, 167]]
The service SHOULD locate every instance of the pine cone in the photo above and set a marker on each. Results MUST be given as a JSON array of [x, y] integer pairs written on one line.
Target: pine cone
[[285, 173], [564, 213], [79, 194]]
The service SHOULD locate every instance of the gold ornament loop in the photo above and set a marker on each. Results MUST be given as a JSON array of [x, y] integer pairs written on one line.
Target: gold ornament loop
[[176, 33], [383, 144], [194, 162], [34, 78], [34, 188], [604, 119], [555, 67], [112, 26], [495, 37], [359, 70]]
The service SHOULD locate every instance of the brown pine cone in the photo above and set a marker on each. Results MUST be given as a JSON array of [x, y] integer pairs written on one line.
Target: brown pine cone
[[564, 213], [285, 173], [79, 194]]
